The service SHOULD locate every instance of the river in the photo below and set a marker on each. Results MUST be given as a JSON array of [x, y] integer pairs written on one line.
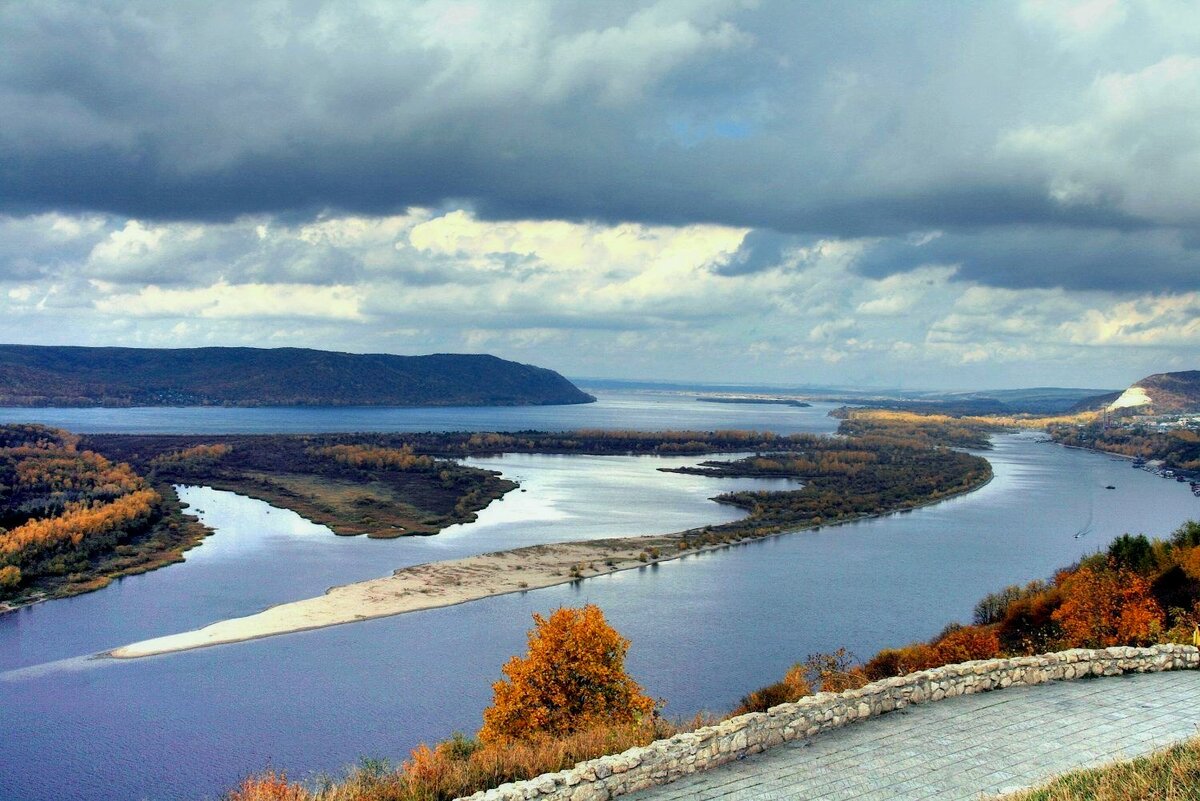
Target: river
[[705, 629]]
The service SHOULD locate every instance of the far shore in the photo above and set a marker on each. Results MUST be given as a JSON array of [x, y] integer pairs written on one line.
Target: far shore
[[457, 581]]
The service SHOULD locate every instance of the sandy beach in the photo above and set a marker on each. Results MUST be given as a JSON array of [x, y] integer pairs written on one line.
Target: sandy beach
[[424, 586]]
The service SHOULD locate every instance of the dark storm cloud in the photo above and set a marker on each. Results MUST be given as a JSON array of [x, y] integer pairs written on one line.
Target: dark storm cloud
[[815, 119], [760, 250], [1026, 256]]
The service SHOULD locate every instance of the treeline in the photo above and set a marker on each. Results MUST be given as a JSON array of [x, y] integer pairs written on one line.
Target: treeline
[[1179, 449], [912, 428], [67, 516], [401, 458]]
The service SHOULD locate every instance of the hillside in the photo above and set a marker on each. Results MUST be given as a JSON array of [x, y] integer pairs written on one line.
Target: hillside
[[33, 375], [1162, 393]]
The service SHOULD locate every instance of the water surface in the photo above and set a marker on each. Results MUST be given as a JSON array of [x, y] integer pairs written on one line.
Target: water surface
[[705, 629], [639, 410]]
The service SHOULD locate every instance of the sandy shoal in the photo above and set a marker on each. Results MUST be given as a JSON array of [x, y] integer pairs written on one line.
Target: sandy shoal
[[423, 586]]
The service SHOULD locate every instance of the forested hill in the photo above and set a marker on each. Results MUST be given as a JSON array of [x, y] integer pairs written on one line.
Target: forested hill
[[33, 375]]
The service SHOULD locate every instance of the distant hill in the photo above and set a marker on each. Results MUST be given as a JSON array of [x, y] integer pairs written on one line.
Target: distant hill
[[32, 375], [1161, 393]]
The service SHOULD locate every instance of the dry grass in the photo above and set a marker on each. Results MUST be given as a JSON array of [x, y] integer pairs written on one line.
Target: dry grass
[[1172, 774], [461, 766]]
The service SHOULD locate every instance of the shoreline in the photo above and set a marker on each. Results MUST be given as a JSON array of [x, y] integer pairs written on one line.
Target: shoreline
[[103, 578], [433, 585]]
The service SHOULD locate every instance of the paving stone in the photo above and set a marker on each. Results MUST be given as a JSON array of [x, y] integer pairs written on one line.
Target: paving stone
[[962, 747]]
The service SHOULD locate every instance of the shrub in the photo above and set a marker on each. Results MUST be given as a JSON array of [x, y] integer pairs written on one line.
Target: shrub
[[965, 644], [994, 606], [835, 672], [1029, 626], [1187, 535], [794, 686], [900, 661], [268, 786], [573, 678]]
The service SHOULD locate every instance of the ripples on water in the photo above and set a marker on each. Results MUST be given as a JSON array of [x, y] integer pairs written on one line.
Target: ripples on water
[[705, 629]]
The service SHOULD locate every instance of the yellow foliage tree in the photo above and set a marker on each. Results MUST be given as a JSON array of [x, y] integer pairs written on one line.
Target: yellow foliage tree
[[573, 678]]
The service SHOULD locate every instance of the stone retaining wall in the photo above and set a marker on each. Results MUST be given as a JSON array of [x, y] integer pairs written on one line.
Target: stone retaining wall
[[664, 761]]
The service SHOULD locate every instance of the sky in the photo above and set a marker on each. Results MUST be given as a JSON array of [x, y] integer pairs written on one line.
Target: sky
[[878, 194]]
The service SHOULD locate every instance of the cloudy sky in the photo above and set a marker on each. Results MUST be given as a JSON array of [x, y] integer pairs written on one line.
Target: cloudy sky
[[932, 194]]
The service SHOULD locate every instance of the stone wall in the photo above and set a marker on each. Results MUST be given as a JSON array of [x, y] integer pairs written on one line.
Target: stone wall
[[666, 760]]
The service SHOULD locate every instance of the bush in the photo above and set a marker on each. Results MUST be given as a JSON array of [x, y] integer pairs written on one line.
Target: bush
[[966, 644], [268, 786], [573, 678], [1029, 626], [794, 686]]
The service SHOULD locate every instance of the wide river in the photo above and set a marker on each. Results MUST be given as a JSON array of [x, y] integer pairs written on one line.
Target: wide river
[[705, 629]]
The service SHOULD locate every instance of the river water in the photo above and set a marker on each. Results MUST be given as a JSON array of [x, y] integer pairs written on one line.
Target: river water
[[705, 629]]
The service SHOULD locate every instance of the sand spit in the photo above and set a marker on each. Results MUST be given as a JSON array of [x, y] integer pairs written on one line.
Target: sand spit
[[424, 586], [457, 581]]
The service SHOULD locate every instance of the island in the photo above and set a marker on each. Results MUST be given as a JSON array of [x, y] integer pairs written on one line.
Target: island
[[837, 479], [799, 404]]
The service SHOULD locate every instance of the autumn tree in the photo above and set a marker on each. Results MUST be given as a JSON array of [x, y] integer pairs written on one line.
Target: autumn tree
[[1104, 607], [10, 577], [572, 678]]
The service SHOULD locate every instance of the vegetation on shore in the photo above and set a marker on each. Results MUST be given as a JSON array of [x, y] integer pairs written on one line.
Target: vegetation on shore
[[1138, 592], [1179, 448], [843, 479], [354, 484], [1172, 774], [107, 503], [72, 520], [387, 485]]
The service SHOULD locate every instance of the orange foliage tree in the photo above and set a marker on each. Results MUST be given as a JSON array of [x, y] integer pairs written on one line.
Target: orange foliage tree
[[1104, 607], [572, 678]]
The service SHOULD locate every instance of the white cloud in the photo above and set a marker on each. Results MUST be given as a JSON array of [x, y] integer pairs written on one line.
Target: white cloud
[[247, 301], [585, 298], [1136, 144]]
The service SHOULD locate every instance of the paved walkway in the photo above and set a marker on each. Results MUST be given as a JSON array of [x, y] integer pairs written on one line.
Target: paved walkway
[[966, 747]]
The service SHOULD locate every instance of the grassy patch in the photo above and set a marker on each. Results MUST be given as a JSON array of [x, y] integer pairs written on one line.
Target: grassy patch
[[1172, 774]]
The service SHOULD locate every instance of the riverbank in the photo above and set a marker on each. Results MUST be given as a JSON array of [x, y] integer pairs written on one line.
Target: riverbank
[[458, 581]]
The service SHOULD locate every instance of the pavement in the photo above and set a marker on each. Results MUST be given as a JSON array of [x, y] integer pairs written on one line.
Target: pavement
[[967, 747]]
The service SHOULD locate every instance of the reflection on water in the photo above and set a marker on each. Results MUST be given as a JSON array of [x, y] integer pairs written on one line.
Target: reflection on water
[[262, 556]]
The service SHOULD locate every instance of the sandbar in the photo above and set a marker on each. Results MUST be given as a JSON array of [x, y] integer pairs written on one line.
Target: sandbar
[[426, 586]]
